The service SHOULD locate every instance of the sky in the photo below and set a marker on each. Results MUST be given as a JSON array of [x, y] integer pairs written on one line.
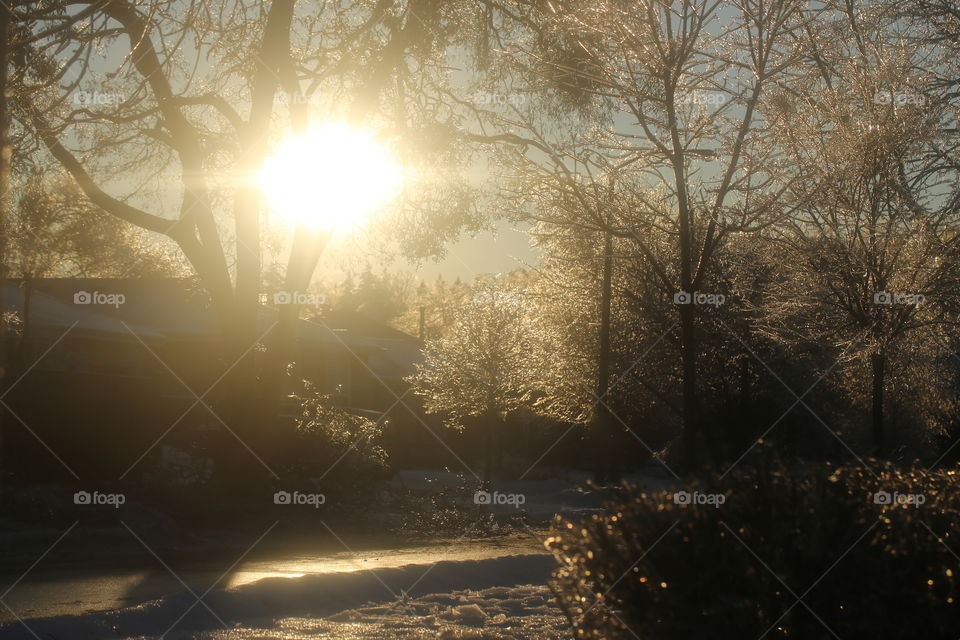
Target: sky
[[488, 252], [505, 248]]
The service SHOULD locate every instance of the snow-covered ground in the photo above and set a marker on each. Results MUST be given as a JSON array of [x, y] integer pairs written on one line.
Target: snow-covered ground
[[492, 598], [472, 589], [524, 612]]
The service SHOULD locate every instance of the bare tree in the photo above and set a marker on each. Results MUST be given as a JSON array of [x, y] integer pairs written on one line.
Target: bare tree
[[671, 148], [162, 111], [56, 232], [875, 235]]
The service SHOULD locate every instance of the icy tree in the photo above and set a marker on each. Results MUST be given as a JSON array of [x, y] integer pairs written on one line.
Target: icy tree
[[664, 144], [163, 112], [56, 232], [477, 369], [873, 236]]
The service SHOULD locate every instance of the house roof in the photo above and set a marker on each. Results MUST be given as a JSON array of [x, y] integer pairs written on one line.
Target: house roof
[[47, 312], [158, 309]]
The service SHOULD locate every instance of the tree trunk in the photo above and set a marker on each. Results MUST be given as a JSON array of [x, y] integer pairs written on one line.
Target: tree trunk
[[743, 427], [245, 389], [691, 418], [878, 362], [601, 415], [488, 446], [745, 382], [281, 351]]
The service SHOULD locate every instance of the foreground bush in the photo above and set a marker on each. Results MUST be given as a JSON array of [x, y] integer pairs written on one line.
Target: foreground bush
[[863, 567], [338, 452]]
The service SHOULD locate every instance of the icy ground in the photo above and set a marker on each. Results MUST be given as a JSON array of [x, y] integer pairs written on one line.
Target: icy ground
[[493, 598], [525, 612], [471, 589]]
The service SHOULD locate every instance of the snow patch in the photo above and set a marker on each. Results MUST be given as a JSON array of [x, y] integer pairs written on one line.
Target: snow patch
[[352, 596]]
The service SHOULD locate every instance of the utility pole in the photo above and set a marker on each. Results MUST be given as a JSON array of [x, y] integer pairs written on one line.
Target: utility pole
[[5, 18]]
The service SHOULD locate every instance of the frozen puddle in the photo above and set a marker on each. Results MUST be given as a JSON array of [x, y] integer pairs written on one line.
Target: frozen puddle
[[472, 599]]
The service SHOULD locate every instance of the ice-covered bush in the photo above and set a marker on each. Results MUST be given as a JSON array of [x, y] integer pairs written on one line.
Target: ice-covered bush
[[770, 551], [340, 452]]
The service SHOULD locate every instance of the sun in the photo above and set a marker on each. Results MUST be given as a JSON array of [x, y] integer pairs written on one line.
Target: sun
[[329, 179]]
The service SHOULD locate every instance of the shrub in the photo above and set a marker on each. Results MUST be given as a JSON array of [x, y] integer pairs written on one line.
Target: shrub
[[445, 510], [340, 452], [652, 569]]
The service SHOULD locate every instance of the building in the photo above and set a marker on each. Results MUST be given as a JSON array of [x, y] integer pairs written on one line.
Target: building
[[113, 362]]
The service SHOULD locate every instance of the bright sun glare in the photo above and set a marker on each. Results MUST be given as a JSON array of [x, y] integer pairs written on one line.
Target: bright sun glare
[[331, 178]]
